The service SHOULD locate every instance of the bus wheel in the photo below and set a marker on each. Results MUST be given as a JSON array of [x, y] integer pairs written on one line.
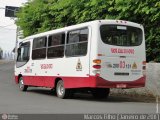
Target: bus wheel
[[61, 91], [22, 87], [100, 93]]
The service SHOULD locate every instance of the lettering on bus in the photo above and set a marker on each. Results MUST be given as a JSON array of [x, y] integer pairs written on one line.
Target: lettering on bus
[[46, 66], [28, 70], [123, 65], [115, 65], [123, 51], [136, 72]]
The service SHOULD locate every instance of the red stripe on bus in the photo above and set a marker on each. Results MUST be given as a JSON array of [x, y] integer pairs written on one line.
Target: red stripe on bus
[[80, 82]]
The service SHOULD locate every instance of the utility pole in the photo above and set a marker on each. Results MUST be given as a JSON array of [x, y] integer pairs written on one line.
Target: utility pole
[[10, 11], [15, 54]]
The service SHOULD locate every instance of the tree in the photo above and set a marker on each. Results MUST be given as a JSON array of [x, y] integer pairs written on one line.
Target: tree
[[43, 15], [147, 13]]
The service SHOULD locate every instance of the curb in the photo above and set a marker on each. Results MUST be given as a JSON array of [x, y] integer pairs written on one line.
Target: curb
[[139, 94]]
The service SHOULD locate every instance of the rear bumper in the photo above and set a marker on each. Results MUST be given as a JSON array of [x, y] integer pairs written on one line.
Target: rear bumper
[[100, 82]]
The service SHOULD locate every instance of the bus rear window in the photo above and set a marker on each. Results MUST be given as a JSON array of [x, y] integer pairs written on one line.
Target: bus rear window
[[121, 35]]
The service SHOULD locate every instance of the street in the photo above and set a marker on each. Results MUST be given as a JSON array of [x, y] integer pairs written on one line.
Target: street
[[42, 100]]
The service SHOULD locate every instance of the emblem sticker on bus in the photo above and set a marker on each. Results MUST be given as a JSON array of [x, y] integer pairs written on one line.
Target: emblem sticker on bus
[[79, 66], [134, 66]]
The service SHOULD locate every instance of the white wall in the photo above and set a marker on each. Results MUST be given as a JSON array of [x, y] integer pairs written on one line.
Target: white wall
[[153, 78]]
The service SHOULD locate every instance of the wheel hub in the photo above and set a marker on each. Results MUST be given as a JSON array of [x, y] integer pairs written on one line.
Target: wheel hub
[[61, 90]]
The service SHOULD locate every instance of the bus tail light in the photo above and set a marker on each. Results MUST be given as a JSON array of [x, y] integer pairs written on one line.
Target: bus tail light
[[144, 68], [144, 62], [97, 61], [97, 66]]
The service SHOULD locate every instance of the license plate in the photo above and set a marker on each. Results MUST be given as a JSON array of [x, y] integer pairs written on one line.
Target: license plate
[[121, 85]]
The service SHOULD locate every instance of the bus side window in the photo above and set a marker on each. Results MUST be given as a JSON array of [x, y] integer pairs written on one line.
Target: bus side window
[[39, 48], [23, 54], [56, 45], [77, 42]]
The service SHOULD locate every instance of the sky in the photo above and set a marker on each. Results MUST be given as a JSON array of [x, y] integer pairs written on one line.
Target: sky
[[7, 26]]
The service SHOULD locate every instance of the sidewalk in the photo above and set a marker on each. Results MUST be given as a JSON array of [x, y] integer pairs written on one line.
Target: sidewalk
[[2, 61]]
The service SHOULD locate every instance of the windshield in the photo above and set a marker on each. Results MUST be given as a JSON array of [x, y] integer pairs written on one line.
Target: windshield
[[121, 35]]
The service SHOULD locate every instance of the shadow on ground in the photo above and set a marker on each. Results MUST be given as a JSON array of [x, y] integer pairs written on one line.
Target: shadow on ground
[[88, 97]]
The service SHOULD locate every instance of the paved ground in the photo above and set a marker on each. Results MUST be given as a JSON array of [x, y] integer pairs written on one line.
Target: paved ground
[[41, 100]]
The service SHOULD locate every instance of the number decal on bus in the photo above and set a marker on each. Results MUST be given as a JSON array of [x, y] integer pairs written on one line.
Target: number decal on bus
[[122, 64]]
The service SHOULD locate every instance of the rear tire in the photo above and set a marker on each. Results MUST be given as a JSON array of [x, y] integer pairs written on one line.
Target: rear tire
[[100, 93], [22, 86], [61, 91]]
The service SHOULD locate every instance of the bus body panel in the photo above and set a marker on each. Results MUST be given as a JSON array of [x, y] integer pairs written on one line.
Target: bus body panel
[[81, 82], [44, 72], [119, 64], [78, 72]]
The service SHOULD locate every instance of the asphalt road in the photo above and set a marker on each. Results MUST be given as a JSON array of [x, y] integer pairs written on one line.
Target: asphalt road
[[42, 100]]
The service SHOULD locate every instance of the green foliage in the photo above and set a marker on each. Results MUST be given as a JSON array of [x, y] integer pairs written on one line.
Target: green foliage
[[43, 15]]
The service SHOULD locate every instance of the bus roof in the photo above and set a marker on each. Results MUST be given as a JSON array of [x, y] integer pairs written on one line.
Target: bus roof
[[81, 25]]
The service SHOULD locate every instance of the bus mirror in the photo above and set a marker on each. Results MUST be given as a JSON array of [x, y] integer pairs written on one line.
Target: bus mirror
[[20, 44]]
